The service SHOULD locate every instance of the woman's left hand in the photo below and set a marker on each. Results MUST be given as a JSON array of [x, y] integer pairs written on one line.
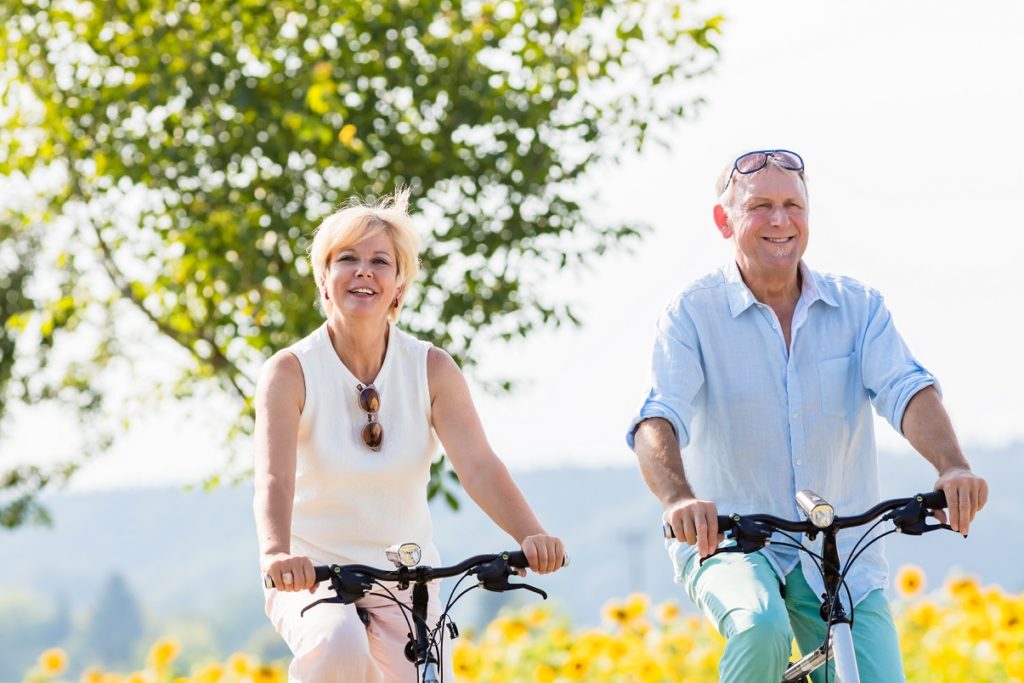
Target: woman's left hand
[[544, 553]]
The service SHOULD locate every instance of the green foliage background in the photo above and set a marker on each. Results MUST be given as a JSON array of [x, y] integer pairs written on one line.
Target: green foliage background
[[166, 161]]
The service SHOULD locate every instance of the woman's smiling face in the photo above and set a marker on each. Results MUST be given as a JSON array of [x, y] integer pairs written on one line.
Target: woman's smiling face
[[362, 279]]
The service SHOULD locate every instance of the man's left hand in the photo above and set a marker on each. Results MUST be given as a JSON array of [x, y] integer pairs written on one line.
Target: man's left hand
[[966, 493]]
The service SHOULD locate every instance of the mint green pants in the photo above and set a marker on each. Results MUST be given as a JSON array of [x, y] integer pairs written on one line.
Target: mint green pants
[[743, 599]]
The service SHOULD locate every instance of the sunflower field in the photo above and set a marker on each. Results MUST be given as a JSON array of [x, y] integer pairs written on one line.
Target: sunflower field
[[960, 632]]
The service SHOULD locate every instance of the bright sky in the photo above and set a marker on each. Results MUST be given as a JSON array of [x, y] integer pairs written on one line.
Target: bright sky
[[908, 116]]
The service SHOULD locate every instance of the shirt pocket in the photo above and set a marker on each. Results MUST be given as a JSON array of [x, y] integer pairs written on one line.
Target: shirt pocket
[[836, 385]]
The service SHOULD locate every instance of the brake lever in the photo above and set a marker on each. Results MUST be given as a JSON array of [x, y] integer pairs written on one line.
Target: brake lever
[[347, 587], [501, 585], [750, 536], [313, 604], [911, 519], [494, 575], [719, 551]]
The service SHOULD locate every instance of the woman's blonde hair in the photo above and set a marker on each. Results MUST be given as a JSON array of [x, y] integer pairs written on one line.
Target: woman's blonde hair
[[356, 221]]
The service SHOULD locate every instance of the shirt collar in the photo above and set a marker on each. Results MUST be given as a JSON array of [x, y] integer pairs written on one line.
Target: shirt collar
[[741, 298], [812, 288]]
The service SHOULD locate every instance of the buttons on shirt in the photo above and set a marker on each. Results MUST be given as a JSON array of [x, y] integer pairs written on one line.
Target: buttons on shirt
[[796, 415], [799, 462]]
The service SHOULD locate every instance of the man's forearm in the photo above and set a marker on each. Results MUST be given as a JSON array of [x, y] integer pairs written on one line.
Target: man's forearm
[[927, 426], [657, 449]]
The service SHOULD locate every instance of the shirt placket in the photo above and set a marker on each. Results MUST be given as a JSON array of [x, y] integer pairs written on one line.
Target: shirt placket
[[787, 558], [794, 396], [797, 437]]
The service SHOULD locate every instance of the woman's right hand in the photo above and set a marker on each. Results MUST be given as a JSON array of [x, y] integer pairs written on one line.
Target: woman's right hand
[[290, 573], [544, 553]]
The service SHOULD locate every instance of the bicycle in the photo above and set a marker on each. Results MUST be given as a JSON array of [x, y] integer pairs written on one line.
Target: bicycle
[[753, 532], [425, 648]]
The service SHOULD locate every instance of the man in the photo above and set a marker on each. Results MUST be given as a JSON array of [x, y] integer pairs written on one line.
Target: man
[[764, 373]]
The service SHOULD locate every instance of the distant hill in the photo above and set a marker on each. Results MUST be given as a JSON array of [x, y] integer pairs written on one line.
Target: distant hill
[[193, 552]]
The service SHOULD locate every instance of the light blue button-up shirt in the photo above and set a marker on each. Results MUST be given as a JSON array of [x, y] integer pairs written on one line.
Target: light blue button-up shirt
[[757, 424]]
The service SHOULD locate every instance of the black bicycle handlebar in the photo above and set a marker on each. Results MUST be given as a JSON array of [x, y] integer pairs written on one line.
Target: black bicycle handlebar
[[514, 559], [933, 500]]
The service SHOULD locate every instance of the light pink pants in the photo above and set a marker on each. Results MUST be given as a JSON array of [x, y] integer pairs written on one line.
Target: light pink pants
[[332, 645]]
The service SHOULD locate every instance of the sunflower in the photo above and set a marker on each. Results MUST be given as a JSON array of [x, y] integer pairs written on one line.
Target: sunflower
[[668, 611], [239, 664], [615, 612], [53, 661], [163, 653], [211, 673], [909, 580]]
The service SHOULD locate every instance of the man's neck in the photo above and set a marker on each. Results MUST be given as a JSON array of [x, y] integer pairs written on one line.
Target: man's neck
[[778, 290]]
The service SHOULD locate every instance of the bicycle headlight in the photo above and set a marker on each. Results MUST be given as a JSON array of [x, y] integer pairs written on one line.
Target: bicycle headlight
[[820, 513], [404, 555]]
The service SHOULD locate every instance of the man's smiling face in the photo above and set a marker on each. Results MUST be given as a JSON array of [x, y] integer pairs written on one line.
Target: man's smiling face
[[768, 222]]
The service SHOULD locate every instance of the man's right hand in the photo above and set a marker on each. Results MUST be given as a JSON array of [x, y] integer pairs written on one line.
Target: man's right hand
[[695, 522]]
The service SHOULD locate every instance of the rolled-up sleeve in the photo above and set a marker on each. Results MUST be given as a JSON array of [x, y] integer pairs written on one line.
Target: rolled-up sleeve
[[676, 375], [890, 373]]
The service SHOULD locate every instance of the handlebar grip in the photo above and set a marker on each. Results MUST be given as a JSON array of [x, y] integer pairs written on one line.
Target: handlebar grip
[[322, 572], [934, 500], [517, 559], [725, 522]]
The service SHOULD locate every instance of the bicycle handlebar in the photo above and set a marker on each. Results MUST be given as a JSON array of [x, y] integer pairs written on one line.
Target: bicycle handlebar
[[933, 500], [513, 559]]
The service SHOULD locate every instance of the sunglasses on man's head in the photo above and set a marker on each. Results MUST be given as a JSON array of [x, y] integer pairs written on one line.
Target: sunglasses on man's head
[[752, 162], [369, 401]]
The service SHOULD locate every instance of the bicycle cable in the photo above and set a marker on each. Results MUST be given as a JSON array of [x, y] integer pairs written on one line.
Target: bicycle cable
[[391, 596], [452, 599], [856, 550]]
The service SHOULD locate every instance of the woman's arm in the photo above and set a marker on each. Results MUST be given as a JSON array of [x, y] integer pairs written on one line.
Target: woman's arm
[[483, 475], [280, 393]]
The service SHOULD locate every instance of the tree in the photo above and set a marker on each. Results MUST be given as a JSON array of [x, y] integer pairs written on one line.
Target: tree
[[115, 626], [165, 162]]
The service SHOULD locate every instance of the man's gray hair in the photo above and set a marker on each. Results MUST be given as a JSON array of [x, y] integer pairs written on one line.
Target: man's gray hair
[[726, 195]]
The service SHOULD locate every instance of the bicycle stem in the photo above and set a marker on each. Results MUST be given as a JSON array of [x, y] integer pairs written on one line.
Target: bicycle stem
[[832, 611], [421, 643]]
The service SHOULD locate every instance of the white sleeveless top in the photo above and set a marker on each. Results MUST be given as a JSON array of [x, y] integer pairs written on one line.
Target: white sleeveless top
[[351, 502]]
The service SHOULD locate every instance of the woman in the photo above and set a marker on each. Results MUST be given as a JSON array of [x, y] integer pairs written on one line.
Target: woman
[[347, 424]]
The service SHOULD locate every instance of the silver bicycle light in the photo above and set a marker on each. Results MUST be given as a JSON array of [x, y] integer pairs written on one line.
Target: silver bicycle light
[[404, 554], [820, 513]]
